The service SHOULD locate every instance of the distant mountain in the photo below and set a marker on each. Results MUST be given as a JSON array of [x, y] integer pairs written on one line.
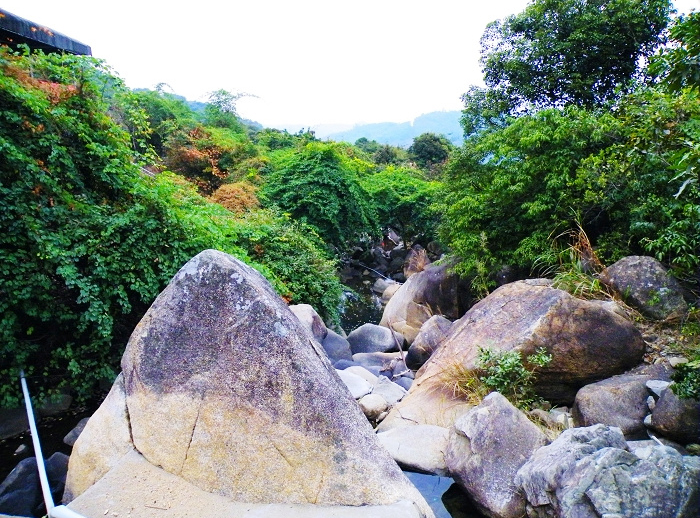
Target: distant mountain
[[403, 133]]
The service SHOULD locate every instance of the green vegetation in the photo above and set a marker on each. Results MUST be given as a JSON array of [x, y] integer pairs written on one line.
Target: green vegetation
[[499, 371], [88, 240], [105, 193]]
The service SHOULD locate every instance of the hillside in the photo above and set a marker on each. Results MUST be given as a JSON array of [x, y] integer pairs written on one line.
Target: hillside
[[402, 133]]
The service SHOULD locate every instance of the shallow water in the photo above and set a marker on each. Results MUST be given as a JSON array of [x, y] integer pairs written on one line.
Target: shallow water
[[444, 497]]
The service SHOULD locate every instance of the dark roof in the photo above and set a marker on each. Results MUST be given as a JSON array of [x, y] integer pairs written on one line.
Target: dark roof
[[15, 30]]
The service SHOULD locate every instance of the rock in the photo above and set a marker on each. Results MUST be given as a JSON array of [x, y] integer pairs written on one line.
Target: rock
[[638, 446], [337, 348], [485, 450], [363, 373], [618, 401], [416, 261], [647, 285], [404, 382], [73, 435], [226, 390], [419, 448], [357, 386], [390, 291], [431, 335], [371, 338], [657, 387], [588, 472], [103, 442], [20, 492], [136, 485], [380, 285], [310, 320], [676, 419], [373, 405], [381, 362], [434, 291], [587, 343], [389, 390], [55, 405], [13, 421], [675, 361]]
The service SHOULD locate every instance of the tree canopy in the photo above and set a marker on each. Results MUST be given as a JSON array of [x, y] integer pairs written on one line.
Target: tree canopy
[[570, 51]]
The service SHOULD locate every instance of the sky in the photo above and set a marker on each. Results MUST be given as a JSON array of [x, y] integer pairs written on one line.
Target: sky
[[303, 62]]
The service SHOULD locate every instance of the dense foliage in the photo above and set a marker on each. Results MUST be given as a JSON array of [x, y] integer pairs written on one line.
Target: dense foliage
[[567, 51], [87, 240], [318, 187]]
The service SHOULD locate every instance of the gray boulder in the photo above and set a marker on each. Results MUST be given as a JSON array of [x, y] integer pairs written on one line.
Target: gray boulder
[[619, 401], [647, 285], [356, 385], [486, 448], [587, 343], [311, 320], [371, 338], [389, 390], [254, 410], [20, 492], [372, 405], [677, 419], [588, 472], [437, 290], [337, 348], [419, 448], [73, 435], [432, 333]]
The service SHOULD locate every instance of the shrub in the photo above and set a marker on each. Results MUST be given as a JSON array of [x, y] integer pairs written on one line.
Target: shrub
[[237, 197], [317, 187]]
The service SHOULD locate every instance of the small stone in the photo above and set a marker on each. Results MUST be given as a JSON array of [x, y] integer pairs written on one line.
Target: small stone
[[647, 421], [656, 387], [21, 449], [675, 361], [651, 403], [357, 386], [373, 405]]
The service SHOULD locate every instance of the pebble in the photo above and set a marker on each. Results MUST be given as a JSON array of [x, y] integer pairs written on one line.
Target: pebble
[[675, 361], [651, 403], [656, 387]]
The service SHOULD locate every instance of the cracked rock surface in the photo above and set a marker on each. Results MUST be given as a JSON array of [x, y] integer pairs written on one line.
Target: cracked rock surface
[[226, 389]]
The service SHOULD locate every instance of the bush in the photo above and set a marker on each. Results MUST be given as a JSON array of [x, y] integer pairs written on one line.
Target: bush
[[237, 197], [318, 187]]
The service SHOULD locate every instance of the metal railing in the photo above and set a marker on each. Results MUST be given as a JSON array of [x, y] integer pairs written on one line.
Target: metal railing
[[53, 511]]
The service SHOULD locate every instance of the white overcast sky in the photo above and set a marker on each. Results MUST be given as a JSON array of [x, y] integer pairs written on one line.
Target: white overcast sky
[[309, 62]]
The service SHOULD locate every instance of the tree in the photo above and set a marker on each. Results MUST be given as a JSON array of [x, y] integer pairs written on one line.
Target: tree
[[678, 65], [429, 150], [570, 51]]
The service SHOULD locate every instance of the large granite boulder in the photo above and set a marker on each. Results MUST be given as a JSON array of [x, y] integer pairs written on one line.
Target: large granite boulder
[[437, 290], [227, 390], [589, 473], [135, 487], [675, 418], [371, 338], [311, 320], [419, 448], [587, 343], [619, 401], [104, 441], [486, 448], [647, 285]]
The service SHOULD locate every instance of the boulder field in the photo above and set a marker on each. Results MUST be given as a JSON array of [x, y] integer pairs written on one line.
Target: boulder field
[[232, 404]]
